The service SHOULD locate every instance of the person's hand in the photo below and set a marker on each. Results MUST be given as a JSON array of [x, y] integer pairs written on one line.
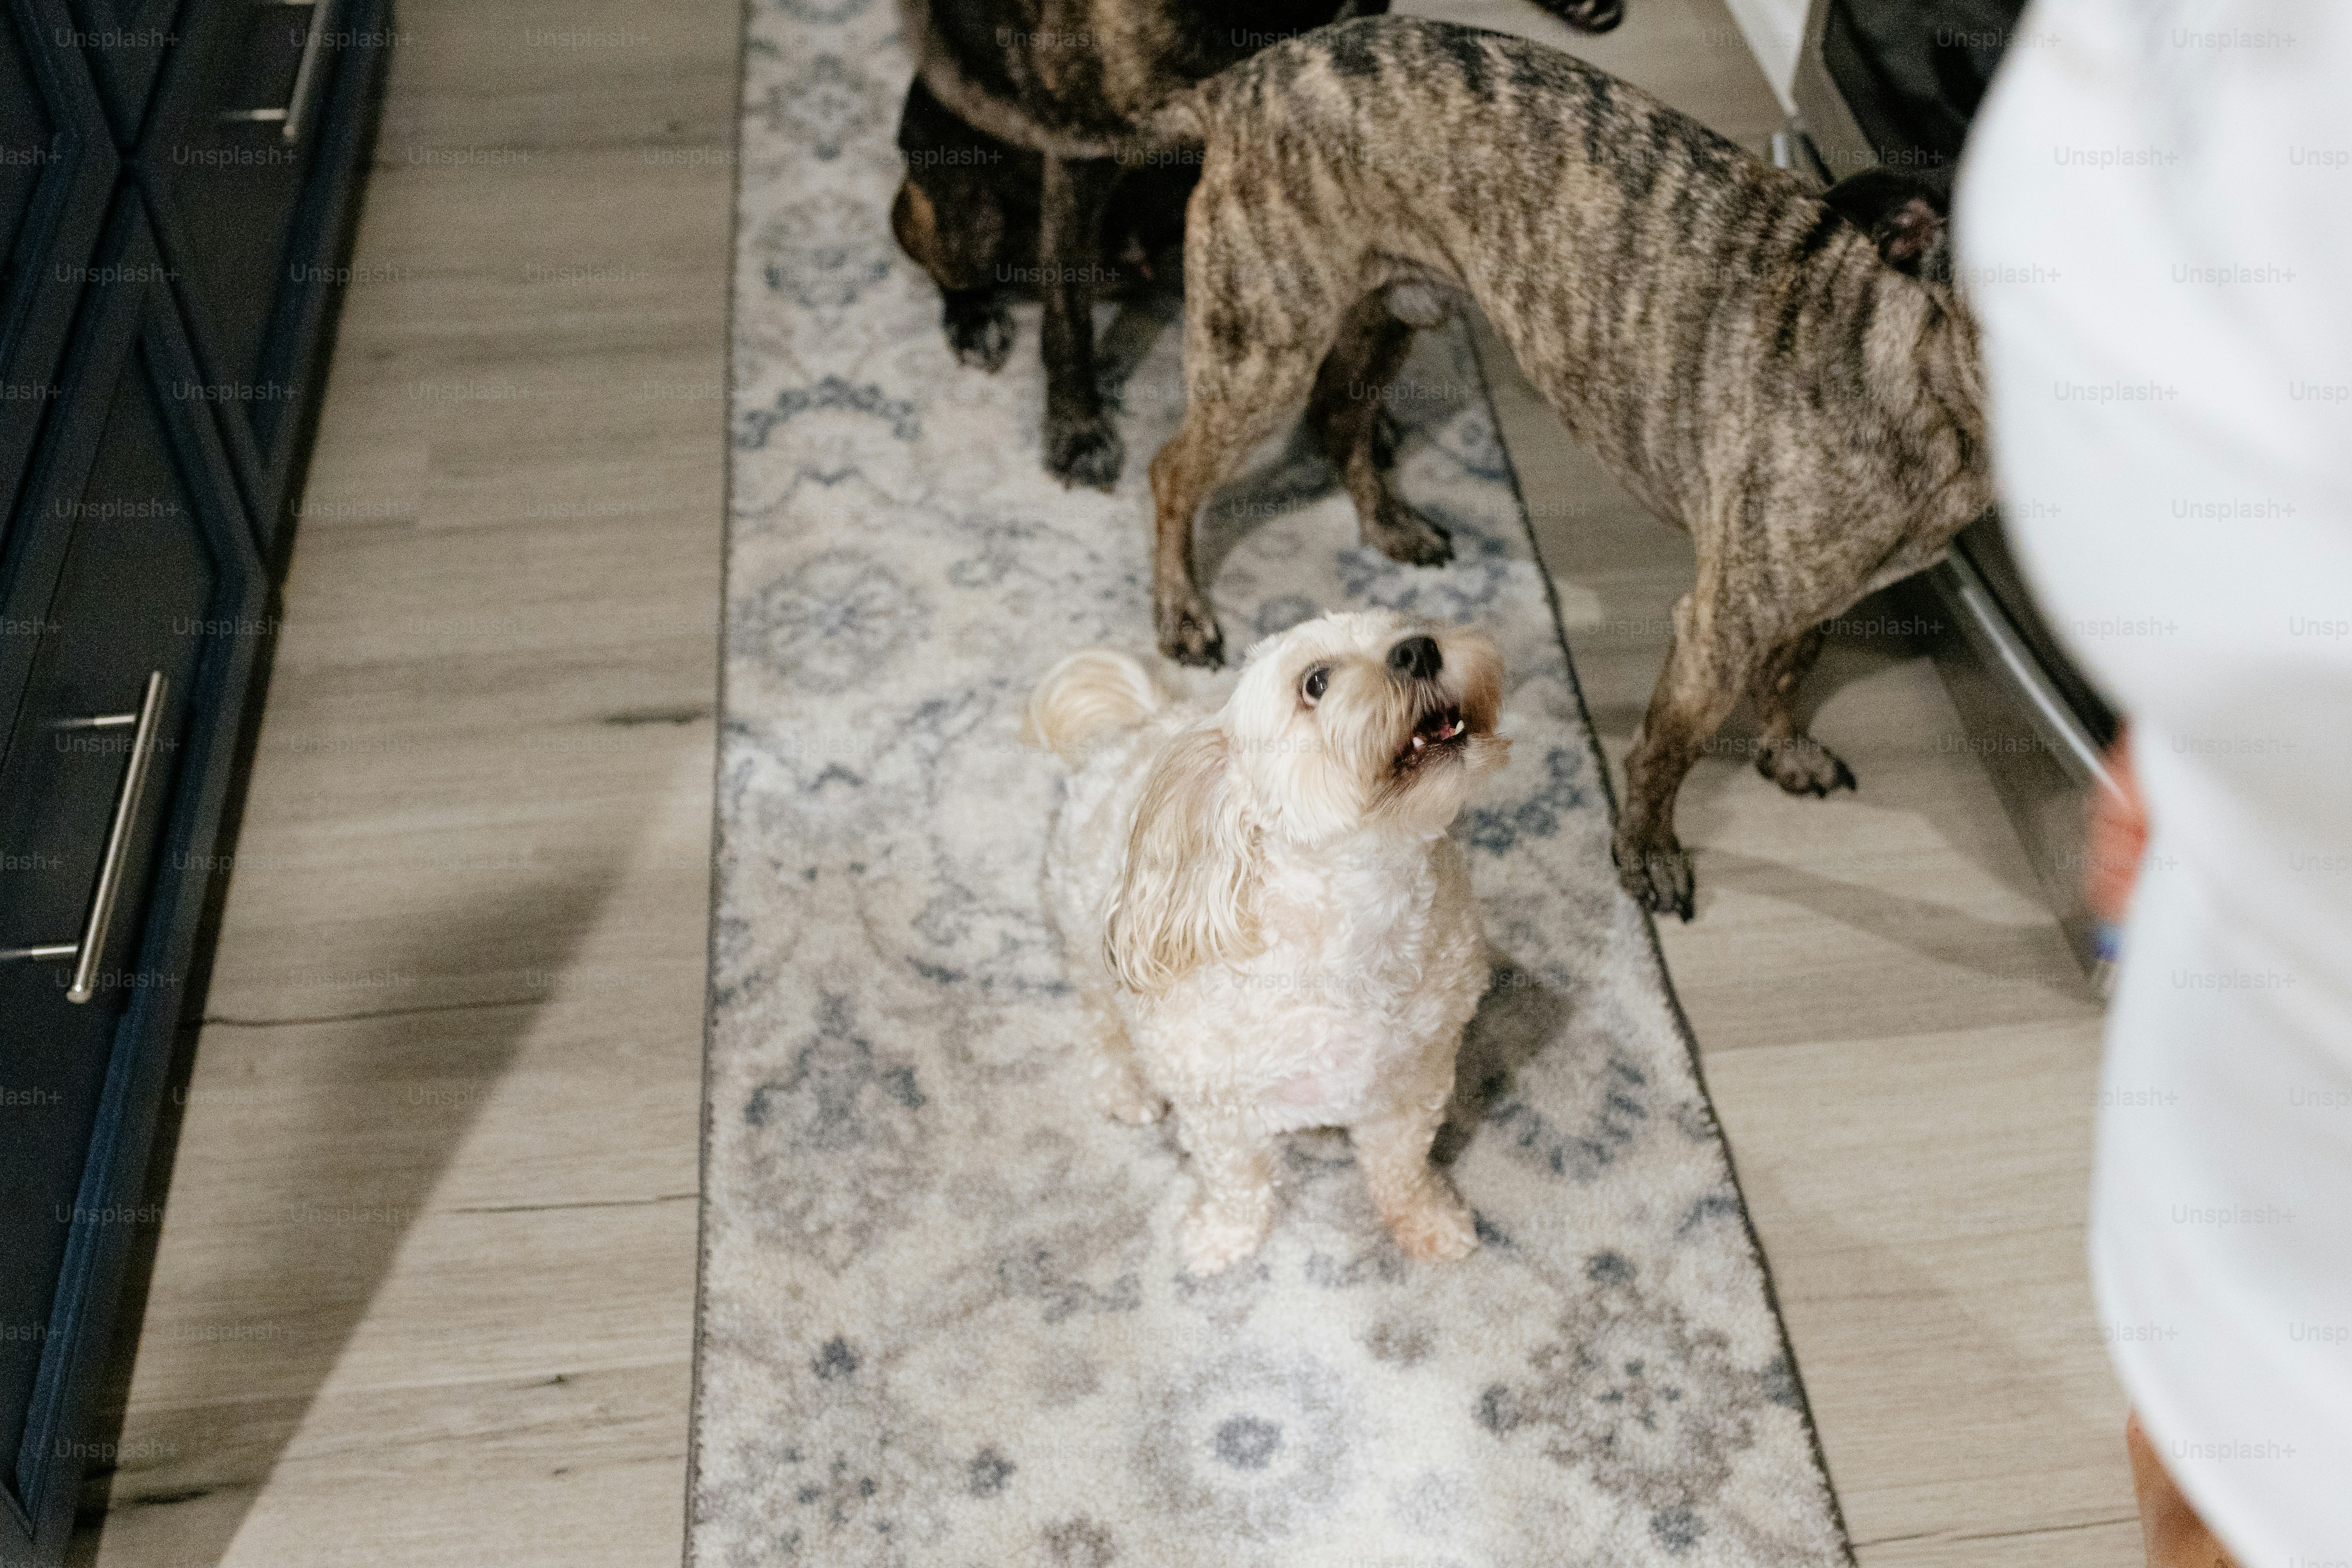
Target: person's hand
[[2118, 836]]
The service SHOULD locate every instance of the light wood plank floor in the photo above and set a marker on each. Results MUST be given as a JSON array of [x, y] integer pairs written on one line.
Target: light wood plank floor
[[425, 1291], [424, 1288]]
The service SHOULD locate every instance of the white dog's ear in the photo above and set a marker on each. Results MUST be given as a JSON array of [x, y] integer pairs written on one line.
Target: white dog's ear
[[1189, 892]]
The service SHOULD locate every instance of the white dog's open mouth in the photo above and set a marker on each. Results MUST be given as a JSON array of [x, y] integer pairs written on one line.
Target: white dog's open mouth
[[1440, 733]]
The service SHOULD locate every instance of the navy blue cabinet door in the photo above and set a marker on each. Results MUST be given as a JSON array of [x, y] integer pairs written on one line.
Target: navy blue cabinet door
[[166, 313], [56, 173], [248, 167], [131, 575], [125, 42]]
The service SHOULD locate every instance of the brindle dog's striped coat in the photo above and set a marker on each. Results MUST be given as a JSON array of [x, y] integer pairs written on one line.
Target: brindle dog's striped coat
[[1738, 352], [1076, 82]]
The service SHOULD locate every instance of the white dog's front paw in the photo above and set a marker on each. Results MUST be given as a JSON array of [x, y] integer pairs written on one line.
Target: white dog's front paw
[[1120, 1095], [1438, 1229], [1212, 1238]]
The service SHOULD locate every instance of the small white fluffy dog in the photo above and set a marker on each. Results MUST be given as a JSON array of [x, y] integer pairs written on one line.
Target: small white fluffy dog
[[1268, 923]]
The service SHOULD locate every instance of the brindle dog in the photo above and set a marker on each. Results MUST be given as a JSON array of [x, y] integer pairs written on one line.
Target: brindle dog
[[983, 253], [1752, 363], [1070, 85]]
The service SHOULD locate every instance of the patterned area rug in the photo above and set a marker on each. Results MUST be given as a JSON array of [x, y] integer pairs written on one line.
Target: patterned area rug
[[941, 1319]]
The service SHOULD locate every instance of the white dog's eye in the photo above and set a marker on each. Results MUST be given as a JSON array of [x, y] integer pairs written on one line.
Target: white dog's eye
[[1316, 679]]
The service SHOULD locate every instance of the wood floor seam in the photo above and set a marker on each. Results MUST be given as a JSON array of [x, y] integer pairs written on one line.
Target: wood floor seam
[[2130, 1518], [510, 1382], [2021, 1533], [582, 1204], [225, 1021]]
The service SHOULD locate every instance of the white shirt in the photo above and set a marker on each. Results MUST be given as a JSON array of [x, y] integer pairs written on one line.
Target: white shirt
[[2155, 227]]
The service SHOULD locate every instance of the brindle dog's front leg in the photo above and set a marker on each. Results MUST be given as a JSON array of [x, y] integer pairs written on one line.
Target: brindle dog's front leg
[[978, 327], [1713, 652], [1787, 755], [1081, 447], [1344, 412], [1183, 474]]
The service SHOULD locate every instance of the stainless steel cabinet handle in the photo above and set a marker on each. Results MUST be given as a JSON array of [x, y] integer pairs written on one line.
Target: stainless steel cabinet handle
[[86, 953], [289, 118]]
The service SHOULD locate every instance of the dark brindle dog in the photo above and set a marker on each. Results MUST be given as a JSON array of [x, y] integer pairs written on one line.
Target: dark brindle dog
[[1801, 396], [1067, 86], [967, 212]]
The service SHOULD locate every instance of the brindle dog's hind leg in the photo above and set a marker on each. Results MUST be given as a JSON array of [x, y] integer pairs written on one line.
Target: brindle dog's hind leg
[[1712, 653], [1786, 754], [1346, 412], [1081, 446], [1230, 405]]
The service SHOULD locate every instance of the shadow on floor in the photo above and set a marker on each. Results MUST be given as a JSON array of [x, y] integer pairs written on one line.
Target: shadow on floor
[[327, 1235]]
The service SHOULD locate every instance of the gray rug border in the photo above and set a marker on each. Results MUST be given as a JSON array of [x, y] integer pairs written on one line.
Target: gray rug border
[[702, 1120], [711, 927]]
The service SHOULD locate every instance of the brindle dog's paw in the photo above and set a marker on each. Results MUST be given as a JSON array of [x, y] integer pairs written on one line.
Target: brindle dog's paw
[[1803, 766], [1083, 450], [1188, 628], [1403, 534], [980, 332], [1586, 16], [1659, 875]]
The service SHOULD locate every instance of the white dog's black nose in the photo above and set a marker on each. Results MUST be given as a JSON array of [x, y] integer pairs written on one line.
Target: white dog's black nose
[[1416, 658]]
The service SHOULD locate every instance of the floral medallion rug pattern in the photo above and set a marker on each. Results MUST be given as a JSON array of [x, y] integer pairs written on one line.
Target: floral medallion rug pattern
[[941, 1319]]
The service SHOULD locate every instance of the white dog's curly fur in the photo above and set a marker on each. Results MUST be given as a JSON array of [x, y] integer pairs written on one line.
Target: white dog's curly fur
[[1266, 919]]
